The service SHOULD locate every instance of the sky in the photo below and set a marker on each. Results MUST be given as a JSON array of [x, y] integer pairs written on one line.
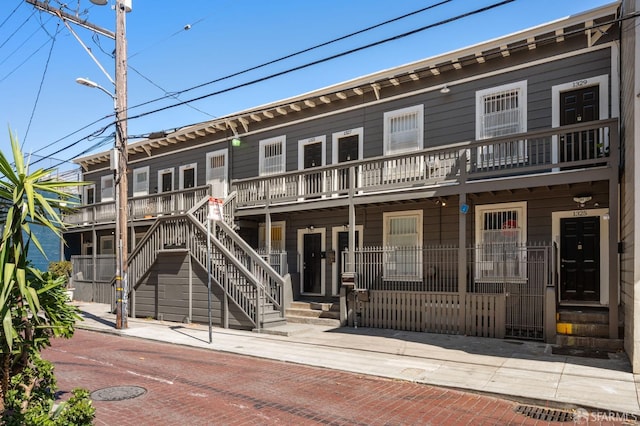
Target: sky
[[183, 50]]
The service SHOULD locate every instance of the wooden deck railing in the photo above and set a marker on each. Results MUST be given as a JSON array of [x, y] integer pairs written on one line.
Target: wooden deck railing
[[551, 150], [144, 207], [246, 278]]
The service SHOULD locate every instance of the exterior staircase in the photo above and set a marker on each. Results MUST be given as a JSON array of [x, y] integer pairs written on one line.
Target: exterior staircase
[[316, 313], [585, 328], [246, 278]]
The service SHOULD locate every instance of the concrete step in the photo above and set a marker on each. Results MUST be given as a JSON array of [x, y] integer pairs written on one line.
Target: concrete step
[[599, 343], [328, 322], [582, 329], [316, 306], [586, 316], [311, 313]]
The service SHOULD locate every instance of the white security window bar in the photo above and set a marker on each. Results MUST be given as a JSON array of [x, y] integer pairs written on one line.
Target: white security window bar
[[106, 188], [502, 111], [141, 181]]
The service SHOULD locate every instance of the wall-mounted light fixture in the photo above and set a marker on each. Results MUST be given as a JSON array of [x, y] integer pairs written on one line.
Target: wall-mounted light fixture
[[445, 89], [441, 202], [582, 199], [311, 228]]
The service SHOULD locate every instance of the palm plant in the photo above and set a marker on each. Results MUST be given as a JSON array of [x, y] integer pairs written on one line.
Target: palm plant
[[33, 305]]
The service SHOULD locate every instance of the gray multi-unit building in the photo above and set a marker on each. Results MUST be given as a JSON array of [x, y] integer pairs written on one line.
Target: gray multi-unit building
[[487, 191]]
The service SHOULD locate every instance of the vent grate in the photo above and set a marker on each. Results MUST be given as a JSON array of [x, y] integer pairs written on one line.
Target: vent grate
[[546, 414]]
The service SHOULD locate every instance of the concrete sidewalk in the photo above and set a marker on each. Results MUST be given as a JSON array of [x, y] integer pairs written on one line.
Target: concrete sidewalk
[[524, 370]]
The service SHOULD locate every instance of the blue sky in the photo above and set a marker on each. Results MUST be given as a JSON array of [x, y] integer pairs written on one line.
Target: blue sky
[[40, 59]]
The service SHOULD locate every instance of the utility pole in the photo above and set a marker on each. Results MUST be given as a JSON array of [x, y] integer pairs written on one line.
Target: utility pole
[[120, 102], [122, 215]]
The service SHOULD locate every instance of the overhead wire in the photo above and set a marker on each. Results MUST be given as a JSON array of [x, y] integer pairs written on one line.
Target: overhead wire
[[44, 73], [322, 60], [97, 42], [300, 52], [369, 45], [17, 29], [20, 3]]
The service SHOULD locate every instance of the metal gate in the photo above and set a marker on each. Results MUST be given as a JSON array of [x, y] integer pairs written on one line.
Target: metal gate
[[522, 273]]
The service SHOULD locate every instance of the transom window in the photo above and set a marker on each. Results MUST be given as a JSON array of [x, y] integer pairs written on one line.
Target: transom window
[[272, 156], [403, 130]]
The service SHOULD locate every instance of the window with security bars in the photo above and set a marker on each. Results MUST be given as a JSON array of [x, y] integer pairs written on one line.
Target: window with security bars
[[402, 252], [501, 237], [217, 173], [272, 156], [500, 112], [403, 130], [141, 181]]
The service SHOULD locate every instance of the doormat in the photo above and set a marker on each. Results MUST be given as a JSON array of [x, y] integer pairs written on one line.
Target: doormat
[[581, 352]]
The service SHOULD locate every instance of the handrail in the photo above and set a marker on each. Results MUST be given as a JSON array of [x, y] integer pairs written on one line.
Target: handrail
[[267, 284]]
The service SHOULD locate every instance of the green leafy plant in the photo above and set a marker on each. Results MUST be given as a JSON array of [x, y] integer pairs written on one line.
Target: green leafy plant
[[33, 304], [61, 268]]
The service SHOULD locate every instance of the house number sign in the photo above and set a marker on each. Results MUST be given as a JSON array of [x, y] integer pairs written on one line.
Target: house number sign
[[578, 213]]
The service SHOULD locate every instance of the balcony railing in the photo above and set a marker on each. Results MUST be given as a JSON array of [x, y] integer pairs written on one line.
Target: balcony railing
[[147, 206], [552, 150]]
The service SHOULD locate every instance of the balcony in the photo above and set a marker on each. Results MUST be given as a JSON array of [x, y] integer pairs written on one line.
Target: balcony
[[584, 146], [140, 208]]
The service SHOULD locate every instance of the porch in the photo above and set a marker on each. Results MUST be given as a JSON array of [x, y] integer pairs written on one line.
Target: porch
[[498, 290]]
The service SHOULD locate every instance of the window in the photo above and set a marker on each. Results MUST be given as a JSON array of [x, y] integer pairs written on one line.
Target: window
[[501, 111], [402, 245], [501, 232], [277, 236], [272, 156], [141, 181], [217, 172], [165, 180], [188, 174], [106, 188], [89, 194], [403, 130]]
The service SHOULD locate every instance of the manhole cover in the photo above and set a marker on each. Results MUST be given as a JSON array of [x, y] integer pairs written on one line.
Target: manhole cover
[[117, 393], [546, 414]]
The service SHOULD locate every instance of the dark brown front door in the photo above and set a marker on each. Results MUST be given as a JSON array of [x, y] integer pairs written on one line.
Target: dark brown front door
[[312, 263], [579, 106], [312, 158], [348, 150], [580, 259]]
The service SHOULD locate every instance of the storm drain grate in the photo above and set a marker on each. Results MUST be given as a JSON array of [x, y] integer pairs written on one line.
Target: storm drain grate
[[546, 414], [117, 393]]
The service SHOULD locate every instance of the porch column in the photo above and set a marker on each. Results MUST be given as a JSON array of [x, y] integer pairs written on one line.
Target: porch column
[[267, 235], [462, 240], [352, 220], [462, 260]]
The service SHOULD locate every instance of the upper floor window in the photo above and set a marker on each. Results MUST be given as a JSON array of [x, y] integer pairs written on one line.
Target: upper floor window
[[141, 181], [89, 192], [106, 188], [404, 130], [272, 156], [501, 110], [217, 176], [188, 176]]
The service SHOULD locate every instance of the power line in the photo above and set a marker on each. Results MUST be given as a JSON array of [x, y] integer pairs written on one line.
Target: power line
[[175, 94], [326, 59], [44, 73], [11, 14], [17, 29], [300, 52]]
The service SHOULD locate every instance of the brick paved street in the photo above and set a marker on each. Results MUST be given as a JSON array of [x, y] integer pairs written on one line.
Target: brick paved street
[[190, 386]]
